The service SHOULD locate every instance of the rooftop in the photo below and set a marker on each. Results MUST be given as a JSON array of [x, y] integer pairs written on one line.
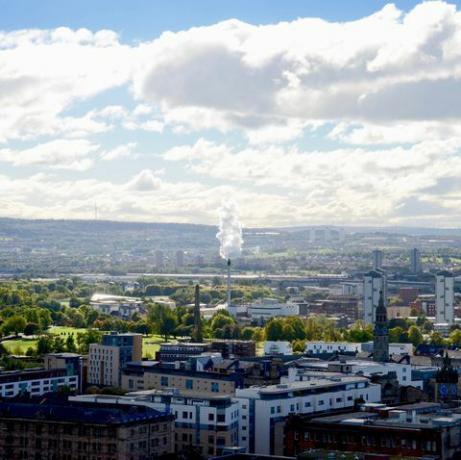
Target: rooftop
[[80, 412]]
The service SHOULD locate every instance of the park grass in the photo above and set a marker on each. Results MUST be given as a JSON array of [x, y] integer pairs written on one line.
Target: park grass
[[19, 346], [64, 331]]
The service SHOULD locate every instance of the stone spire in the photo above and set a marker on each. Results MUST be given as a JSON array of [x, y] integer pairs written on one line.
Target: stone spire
[[197, 334], [381, 333]]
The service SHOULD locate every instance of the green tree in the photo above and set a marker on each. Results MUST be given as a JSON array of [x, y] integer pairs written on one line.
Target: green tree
[[436, 338], [14, 325], [85, 339], [71, 346], [273, 330], [44, 345], [455, 338], [415, 335]]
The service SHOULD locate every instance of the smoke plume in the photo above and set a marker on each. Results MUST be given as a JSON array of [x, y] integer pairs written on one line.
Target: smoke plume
[[230, 231]]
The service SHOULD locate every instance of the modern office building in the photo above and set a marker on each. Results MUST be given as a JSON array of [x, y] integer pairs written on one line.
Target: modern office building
[[374, 283], [377, 256], [106, 360], [147, 375], [36, 382], [415, 261], [444, 298], [261, 407], [76, 431]]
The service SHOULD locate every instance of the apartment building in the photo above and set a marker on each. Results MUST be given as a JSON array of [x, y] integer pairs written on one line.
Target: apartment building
[[36, 382], [106, 360], [67, 430], [147, 375], [262, 406]]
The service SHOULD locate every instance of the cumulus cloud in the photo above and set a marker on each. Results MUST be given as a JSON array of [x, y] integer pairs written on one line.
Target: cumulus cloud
[[390, 65], [58, 154], [145, 181]]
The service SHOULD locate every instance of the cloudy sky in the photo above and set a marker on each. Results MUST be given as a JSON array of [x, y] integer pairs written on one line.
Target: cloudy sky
[[337, 113]]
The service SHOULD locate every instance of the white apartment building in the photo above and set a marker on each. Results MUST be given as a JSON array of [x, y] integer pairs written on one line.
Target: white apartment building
[[365, 368], [373, 283], [444, 298], [321, 347], [104, 365], [262, 406], [267, 308]]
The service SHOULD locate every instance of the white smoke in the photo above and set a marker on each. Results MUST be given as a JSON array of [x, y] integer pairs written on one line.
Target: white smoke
[[230, 231]]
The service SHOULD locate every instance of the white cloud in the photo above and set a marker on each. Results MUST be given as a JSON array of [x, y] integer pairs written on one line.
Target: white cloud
[[145, 181], [387, 66], [124, 150], [73, 154]]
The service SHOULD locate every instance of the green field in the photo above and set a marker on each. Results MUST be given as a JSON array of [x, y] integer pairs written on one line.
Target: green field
[[64, 331], [19, 346]]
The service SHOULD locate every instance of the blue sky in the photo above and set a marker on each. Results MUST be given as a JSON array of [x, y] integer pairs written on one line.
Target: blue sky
[[300, 112]]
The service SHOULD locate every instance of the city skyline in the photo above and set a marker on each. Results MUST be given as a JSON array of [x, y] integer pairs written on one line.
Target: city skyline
[[302, 115]]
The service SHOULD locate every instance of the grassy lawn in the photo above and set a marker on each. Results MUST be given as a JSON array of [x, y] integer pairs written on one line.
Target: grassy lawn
[[64, 331], [151, 344], [19, 346]]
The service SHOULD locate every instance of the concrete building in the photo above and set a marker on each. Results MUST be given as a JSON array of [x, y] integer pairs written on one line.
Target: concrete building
[[106, 360], [377, 257], [147, 375], [36, 382], [267, 308], [444, 298], [374, 283], [117, 305], [71, 430], [262, 406], [415, 261]]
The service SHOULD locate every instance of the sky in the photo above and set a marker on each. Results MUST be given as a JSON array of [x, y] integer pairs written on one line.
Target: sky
[[299, 112]]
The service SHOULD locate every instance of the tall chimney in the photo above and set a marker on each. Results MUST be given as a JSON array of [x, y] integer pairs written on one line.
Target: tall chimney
[[197, 335], [228, 284]]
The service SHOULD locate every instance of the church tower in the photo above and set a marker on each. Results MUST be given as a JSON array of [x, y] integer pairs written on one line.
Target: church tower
[[381, 333], [197, 334]]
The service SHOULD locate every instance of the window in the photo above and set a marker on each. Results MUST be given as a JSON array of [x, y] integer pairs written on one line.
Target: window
[[273, 410], [184, 414], [307, 404], [210, 417], [292, 407], [164, 381], [215, 387], [320, 403], [189, 384]]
